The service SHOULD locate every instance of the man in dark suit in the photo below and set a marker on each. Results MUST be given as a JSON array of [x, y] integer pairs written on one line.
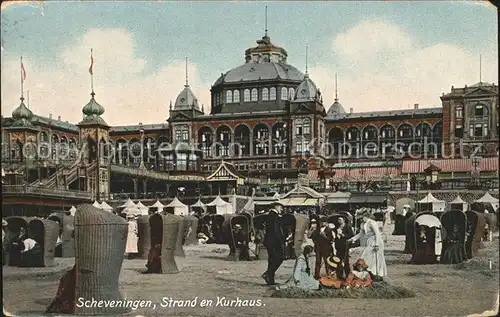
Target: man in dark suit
[[274, 241]]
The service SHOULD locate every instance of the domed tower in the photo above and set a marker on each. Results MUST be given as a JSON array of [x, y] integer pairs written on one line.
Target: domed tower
[[308, 125], [22, 134], [94, 144], [336, 109], [264, 82], [185, 109]]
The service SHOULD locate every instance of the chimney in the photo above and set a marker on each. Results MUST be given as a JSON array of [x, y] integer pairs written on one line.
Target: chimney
[[59, 118], [415, 106], [351, 110], [50, 115]]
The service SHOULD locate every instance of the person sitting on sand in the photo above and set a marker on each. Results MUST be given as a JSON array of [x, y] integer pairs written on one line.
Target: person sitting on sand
[[334, 280], [359, 276], [302, 277]]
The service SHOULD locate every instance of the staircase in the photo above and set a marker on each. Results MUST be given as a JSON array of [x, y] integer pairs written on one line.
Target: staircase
[[71, 174]]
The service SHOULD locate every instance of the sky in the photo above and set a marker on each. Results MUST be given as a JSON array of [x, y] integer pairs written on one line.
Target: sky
[[387, 54]]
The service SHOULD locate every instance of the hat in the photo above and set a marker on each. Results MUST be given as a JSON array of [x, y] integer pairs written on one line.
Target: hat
[[363, 213], [333, 261], [130, 216], [4, 223], [361, 263], [237, 226]]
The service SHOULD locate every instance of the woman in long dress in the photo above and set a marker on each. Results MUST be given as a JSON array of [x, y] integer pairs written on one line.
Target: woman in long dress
[[373, 252], [132, 237], [302, 277]]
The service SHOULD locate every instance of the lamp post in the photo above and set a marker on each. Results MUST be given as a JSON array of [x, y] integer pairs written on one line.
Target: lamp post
[[475, 173], [141, 131]]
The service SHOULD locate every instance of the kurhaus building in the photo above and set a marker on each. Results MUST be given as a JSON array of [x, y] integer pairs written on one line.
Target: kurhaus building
[[270, 121]]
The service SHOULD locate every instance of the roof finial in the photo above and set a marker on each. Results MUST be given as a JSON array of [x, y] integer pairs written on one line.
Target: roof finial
[[266, 23], [336, 96], [307, 49], [23, 78], [187, 83]]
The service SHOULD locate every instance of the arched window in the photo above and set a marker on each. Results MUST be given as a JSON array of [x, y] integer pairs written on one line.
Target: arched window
[[284, 93], [246, 95], [236, 96], [272, 93], [291, 93], [307, 126], [255, 94], [265, 94], [229, 96]]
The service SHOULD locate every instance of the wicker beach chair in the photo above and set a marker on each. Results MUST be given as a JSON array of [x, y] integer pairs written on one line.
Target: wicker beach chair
[[66, 224], [299, 224], [164, 230], [100, 239], [181, 236], [453, 220], [144, 235], [259, 225], [475, 230], [45, 233], [228, 226], [14, 225], [192, 237]]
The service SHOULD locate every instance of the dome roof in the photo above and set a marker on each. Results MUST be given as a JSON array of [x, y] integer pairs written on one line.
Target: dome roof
[[22, 112], [336, 109], [93, 108], [264, 62], [306, 91], [186, 99]]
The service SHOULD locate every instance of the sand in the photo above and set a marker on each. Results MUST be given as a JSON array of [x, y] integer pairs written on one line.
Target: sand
[[205, 274]]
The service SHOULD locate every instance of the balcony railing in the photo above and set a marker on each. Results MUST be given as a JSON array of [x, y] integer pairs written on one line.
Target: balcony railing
[[28, 190]]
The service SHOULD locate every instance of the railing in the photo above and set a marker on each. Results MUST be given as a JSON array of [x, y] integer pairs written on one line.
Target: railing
[[28, 190], [151, 174]]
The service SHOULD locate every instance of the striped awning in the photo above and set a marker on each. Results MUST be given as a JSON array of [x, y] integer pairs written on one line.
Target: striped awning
[[299, 202], [489, 164], [368, 173]]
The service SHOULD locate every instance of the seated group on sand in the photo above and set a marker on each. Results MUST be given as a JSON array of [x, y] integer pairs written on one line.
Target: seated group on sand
[[302, 277]]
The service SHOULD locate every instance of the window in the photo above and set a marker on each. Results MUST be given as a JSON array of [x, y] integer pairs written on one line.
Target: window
[[478, 130], [218, 99], [485, 129], [185, 135], [265, 94], [307, 126], [181, 161], [178, 135], [291, 93], [246, 95], [299, 147], [272, 93], [255, 94], [459, 131], [229, 96], [284, 93], [459, 113], [479, 111], [298, 127], [236, 96]]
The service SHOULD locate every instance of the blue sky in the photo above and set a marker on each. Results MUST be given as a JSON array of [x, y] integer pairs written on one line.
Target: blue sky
[[421, 47]]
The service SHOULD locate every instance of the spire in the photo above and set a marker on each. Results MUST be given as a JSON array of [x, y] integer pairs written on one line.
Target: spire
[[23, 78], [307, 70], [265, 34], [187, 83], [480, 69], [336, 95], [28, 96], [91, 71]]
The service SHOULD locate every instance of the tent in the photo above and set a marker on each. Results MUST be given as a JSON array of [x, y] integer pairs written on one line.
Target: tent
[[105, 206], [179, 207], [158, 205], [488, 199], [72, 210], [221, 206], [142, 208], [436, 204], [96, 204], [200, 204], [459, 203], [128, 203]]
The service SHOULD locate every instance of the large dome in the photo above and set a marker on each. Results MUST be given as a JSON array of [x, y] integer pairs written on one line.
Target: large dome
[[263, 62]]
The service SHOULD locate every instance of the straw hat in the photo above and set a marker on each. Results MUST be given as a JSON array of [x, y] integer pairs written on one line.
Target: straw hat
[[237, 226], [360, 263], [4, 223], [363, 213], [333, 261]]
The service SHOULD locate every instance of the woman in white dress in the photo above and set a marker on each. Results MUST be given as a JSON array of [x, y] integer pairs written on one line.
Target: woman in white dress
[[371, 240], [132, 237]]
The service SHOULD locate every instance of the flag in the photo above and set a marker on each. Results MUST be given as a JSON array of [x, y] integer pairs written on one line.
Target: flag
[[23, 71], [91, 63]]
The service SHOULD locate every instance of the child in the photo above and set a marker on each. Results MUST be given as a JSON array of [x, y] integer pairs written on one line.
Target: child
[[359, 276], [334, 280]]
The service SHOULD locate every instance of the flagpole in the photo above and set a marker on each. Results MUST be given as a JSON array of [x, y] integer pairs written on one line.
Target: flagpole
[[92, 73], [22, 80]]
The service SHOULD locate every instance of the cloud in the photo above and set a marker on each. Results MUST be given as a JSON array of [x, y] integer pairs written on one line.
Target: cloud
[[122, 86], [383, 67]]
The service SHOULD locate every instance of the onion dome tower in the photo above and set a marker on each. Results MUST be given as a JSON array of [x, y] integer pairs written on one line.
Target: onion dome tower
[[336, 109]]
